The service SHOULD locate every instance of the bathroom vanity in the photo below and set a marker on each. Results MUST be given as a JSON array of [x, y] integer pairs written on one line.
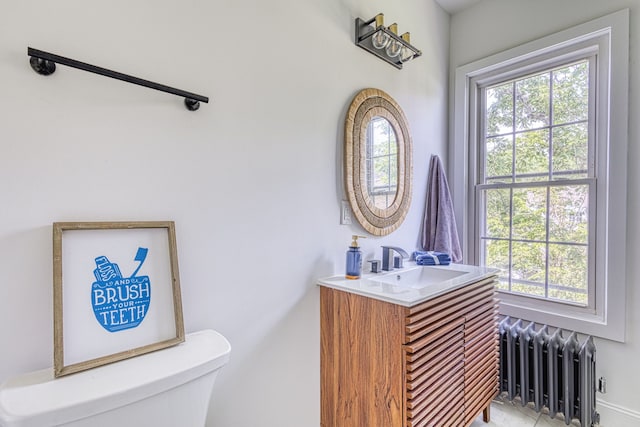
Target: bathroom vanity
[[412, 347]]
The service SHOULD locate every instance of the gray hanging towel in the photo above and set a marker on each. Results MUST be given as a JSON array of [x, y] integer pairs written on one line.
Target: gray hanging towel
[[439, 232]]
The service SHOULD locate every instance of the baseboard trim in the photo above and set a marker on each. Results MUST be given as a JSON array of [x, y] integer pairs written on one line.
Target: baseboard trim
[[612, 415]]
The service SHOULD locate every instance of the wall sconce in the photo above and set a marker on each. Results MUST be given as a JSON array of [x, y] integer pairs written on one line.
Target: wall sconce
[[384, 42]]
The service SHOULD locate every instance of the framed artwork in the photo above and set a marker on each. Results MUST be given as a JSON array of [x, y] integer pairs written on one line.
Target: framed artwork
[[116, 292]]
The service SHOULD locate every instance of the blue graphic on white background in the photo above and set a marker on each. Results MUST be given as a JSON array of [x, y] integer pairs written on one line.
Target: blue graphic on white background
[[120, 303]]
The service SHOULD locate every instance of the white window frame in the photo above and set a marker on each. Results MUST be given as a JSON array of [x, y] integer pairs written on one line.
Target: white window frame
[[609, 38]]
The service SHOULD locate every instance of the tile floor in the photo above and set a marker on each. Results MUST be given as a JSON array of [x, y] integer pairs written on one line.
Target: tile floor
[[507, 414]]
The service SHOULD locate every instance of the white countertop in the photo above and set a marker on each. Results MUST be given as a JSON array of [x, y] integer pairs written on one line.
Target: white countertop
[[376, 285]]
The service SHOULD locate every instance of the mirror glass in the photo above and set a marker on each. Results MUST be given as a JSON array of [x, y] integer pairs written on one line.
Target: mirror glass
[[381, 162], [377, 161]]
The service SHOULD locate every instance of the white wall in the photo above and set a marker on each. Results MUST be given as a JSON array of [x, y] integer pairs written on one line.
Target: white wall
[[253, 179], [492, 26]]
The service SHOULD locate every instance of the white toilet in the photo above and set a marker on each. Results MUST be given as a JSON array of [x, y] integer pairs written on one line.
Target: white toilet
[[166, 388]]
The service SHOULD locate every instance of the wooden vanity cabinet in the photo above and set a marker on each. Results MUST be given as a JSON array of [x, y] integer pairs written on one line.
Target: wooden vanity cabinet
[[431, 365]]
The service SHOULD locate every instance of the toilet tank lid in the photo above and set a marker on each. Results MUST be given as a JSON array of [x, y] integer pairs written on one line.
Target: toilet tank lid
[[37, 398]]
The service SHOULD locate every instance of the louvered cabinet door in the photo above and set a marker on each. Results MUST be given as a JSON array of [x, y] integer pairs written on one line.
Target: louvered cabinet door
[[481, 352], [459, 332], [435, 377], [435, 338]]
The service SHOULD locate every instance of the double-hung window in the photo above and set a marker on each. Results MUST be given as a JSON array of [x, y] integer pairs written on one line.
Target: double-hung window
[[543, 144], [537, 183]]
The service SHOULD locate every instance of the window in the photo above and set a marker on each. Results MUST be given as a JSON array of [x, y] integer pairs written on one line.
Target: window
[[539, 161], [536, 180]]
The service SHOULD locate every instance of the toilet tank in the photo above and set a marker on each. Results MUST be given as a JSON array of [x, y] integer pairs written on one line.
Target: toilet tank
[[169, 387]]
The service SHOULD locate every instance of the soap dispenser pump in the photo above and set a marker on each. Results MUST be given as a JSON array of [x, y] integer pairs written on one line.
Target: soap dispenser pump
[[354, 259]]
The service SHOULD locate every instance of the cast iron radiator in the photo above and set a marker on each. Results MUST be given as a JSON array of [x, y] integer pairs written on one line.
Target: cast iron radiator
[[548, 370]]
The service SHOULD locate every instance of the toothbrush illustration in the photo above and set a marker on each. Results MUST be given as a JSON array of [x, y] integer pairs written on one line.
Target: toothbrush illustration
[[141, 255]]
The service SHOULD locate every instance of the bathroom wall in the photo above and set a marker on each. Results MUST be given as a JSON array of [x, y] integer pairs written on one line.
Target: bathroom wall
[[252, 179], [492, 26]]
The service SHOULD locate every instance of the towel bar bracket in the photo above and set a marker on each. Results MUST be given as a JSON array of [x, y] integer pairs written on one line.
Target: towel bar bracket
[[42, 66], [191, 104]]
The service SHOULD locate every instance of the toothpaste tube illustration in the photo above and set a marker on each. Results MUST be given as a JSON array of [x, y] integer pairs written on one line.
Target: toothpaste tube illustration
[[106, 270]]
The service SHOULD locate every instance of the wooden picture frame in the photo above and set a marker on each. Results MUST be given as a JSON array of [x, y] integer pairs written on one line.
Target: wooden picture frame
[[102, 312]]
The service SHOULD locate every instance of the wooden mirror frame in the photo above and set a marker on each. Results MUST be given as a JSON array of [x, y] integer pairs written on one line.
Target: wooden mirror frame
[[369, 103]]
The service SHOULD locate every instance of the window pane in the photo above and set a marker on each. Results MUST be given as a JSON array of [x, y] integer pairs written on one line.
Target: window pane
[[499, 109], [570, 151], [532, 156], [497, 256], [499, 157], [381, 172], [498, 206], [568, 214], [571, 93], [382, 136], [530, 214], [568, 273], [532, 102], [503, 284], [528, 268], [380, 144], [393, 172]]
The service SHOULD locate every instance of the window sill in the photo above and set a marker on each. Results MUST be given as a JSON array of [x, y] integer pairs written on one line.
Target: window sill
[[562, 316]]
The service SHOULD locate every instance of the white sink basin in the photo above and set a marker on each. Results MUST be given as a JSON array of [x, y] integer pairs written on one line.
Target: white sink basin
[[410, 285], [419, 277]]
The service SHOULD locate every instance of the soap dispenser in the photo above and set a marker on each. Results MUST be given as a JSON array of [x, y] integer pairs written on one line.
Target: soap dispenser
[[354, 259]]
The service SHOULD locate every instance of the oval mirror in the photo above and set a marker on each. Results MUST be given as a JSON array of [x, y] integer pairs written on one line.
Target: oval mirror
[[378, 163]]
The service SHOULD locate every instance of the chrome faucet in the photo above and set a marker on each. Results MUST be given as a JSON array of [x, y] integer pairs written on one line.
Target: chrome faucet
[[387, 257]]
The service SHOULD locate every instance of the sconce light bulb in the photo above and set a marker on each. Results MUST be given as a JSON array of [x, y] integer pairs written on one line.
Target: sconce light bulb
[[393, 49], [380, 39], [406, 54]]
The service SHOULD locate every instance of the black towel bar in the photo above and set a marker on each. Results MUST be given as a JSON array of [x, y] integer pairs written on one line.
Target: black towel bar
[[45, 63]]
